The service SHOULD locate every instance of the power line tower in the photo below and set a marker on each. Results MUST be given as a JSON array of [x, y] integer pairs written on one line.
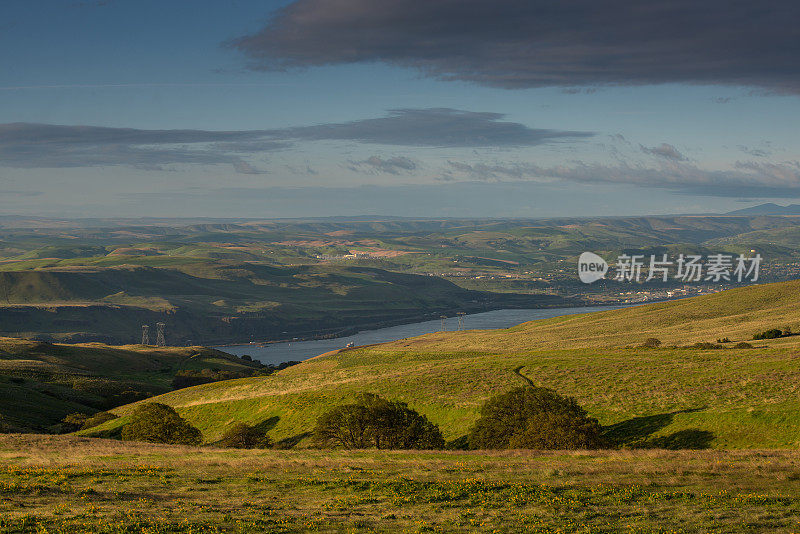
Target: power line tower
[[443, 318], [160, 342], [145, 334], [461, 320]]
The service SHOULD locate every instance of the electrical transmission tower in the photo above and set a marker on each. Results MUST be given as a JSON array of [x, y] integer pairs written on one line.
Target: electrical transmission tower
[[145, 334], [460, 320], [443, 318], [160, 342]]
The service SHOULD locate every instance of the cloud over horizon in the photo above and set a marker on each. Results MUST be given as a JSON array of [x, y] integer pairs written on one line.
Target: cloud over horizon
[[378, 165], [756, 179], [664, 150], [538, 43], [434, 127], [26, 145]]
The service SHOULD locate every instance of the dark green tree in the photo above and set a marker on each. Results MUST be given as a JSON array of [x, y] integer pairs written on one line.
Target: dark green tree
[[159, 423], [373, 421], [534, 418], [244, 436]]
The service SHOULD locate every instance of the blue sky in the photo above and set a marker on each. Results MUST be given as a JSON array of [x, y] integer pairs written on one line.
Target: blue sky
[[347, 107]]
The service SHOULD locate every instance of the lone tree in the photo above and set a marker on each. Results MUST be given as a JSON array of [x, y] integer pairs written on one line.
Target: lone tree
[[159, 423], [534, 418], [373, 421], [244, 436]]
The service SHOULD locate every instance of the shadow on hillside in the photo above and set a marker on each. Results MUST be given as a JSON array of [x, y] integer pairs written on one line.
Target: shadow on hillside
[[690, 438], [637, 432], [290, 442], [267, 424], [458, 444]]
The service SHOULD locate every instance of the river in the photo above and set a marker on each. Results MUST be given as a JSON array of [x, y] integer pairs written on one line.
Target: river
[[276, 353]]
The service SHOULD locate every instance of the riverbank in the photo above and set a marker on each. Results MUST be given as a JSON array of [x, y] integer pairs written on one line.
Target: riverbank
[[298, 350]]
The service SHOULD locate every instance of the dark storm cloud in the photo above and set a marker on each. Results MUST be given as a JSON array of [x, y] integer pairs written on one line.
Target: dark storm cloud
[[378, 165], [664, 150], [535, 43], [48, 146], [436, 127]]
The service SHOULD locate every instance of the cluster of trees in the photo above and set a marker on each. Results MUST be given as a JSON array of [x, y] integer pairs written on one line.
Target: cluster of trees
[[158, 423], [524, 418], [773, 333]]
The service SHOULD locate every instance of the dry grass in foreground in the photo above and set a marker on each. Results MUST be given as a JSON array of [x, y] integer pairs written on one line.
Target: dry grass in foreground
[[67, 484]]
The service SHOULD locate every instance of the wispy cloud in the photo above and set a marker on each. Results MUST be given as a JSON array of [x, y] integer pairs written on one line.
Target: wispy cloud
[[749, 178], [664, 150], [757, 152], [378, 165], [534, 43], [51, 146], [435, 127]]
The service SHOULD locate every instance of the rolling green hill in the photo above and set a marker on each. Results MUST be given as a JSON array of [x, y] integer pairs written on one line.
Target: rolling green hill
[[674, 395], [239, 280], [213, 303], [40, 383]]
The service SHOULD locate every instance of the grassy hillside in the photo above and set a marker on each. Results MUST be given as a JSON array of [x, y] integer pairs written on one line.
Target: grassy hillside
[[239, 280], [212, 303], [68, 484], [40, 383], [672, 395]]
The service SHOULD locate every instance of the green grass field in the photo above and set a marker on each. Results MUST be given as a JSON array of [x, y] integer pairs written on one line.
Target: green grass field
[[68, 484], [675, 396], [707, 438]]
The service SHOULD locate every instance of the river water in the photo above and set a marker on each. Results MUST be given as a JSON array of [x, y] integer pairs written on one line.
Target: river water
[[276, 353]]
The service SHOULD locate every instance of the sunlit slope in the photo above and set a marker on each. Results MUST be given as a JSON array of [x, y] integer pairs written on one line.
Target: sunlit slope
[[736, 314], [669, 396]]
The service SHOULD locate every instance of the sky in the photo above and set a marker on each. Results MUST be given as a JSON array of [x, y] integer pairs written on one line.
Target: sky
[[441, 108]]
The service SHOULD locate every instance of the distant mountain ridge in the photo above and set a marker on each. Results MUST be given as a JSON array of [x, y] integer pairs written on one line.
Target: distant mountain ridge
[[770, 208]]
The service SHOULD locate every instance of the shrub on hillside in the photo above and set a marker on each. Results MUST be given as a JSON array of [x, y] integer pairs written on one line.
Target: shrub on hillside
[[534, 418], [373, 421], [651, 343], [743, 345], [772, 333], [159, 423], [244, 436], [72, 422]]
